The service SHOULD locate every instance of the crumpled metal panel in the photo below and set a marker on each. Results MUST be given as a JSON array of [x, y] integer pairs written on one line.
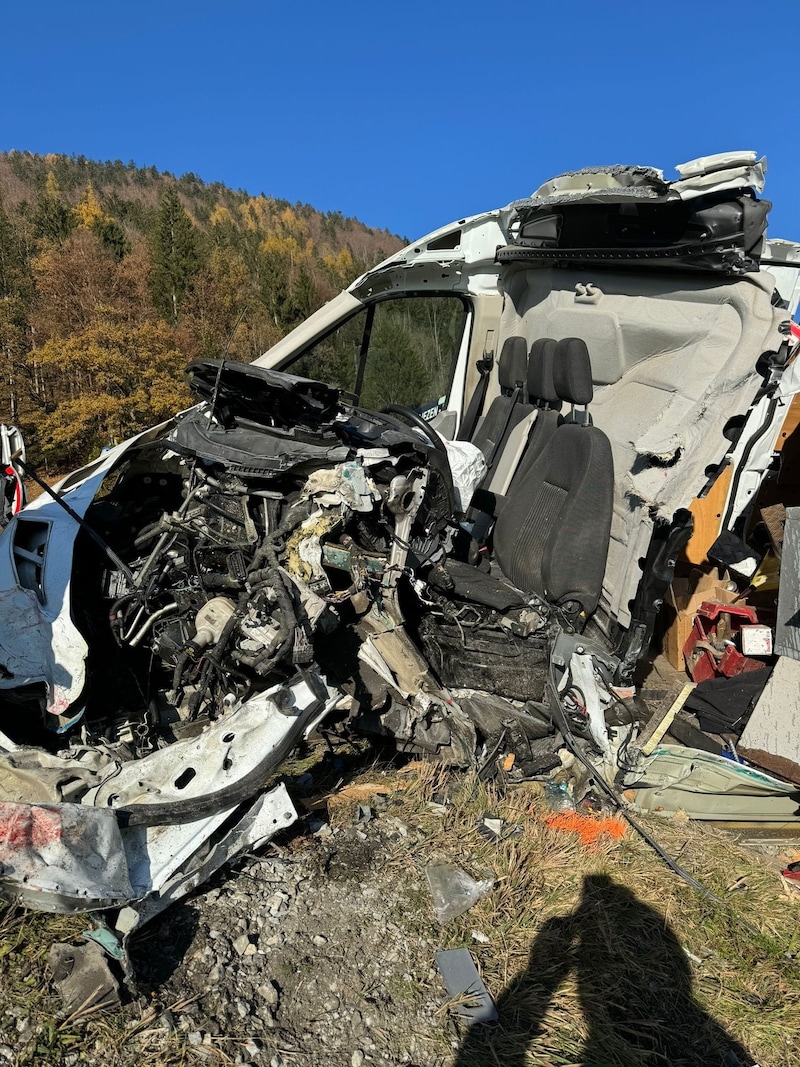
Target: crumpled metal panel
[[157, 854], [69, 858], [242, 744], [200, 851], [40, 642], [597, 184], [62, 857], [31, 775], [74, 857], [28, 636]]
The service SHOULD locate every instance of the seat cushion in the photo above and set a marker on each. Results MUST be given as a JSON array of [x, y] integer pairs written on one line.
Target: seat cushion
[[481, 587]]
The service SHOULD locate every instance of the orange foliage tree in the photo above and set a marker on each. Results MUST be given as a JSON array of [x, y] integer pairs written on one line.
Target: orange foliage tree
[[102, 384]]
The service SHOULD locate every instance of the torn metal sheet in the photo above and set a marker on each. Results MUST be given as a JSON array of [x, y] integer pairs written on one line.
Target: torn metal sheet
[[583, 677], [202, 853], [156, 854], [710, 787], [67, 858], [30, 775], [221, 767], [62, 857]]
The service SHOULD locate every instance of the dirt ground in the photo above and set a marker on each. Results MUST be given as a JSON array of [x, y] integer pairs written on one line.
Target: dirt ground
[[303, 958]]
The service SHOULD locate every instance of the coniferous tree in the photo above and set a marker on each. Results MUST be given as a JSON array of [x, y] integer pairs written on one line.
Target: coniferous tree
[[175, 256], [113, 236], [13, 268], [15, 294], [52, 219], [90, 214]]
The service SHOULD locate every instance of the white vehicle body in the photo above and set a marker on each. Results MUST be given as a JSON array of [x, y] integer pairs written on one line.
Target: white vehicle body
[[693, 370]]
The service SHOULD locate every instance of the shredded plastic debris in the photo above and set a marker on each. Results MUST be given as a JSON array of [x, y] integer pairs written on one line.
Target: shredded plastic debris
[[453, 891], [588, 829]]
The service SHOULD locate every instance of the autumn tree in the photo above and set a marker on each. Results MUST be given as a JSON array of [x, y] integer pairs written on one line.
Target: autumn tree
[[339, 270], [221, 292], [93, 254], [175, 255], [103, 384], [91, 216], [74, 282], [133, 289]]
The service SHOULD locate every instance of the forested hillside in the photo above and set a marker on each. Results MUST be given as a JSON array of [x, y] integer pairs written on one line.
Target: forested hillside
[[113, 277]]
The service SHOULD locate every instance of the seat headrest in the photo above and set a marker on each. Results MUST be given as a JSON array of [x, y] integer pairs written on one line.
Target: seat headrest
[[512, 367], [572, 371], [540, 371]]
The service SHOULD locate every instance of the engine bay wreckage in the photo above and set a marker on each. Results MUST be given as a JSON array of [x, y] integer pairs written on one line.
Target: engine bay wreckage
[[461, 506]]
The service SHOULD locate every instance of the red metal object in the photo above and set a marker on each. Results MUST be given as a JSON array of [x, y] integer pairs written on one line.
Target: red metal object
[[18, 492], [710, 649]]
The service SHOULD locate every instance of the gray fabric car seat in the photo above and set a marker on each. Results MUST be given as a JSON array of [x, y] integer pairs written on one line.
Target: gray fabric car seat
[[511, 407], [516, 451], [552, 532]]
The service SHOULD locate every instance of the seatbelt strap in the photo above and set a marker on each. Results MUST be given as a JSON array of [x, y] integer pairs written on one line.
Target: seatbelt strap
[[514, 398], [470, 421]]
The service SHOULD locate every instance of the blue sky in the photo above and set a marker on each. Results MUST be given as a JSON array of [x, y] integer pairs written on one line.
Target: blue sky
[[405, 115]]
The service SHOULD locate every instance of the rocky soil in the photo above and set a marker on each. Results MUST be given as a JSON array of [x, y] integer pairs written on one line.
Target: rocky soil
[[313, 955], [320, 950]]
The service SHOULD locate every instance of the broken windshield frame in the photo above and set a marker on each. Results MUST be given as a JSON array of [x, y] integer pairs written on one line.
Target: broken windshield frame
[[400, 348]]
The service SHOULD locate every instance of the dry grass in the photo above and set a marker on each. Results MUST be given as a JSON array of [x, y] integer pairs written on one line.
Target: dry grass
[[599, 955], [596, 955], [32, 1022]]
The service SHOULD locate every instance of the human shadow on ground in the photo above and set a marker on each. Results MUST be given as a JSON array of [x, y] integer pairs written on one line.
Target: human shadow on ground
[[634, 990]]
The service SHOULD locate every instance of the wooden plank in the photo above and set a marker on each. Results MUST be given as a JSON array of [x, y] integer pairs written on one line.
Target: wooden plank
[[787, 629], [790, 424], [656, 728], [707, 513]]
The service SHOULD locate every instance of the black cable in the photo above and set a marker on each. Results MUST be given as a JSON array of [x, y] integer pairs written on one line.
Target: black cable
[[621, 807], [622, 752], [58, 497]]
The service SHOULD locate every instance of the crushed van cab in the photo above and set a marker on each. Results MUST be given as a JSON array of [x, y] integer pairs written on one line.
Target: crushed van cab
[[448, 510]]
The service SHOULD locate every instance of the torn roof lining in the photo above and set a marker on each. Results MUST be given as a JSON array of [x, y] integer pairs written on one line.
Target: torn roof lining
[[620, 184]]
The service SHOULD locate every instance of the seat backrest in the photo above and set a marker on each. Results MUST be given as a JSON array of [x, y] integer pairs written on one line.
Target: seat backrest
[[547, 403], [508, 409], [533, 422], [541, 363], [551, 536]]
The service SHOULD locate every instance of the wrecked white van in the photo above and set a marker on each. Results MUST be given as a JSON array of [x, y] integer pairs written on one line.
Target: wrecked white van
[[446, 509]]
